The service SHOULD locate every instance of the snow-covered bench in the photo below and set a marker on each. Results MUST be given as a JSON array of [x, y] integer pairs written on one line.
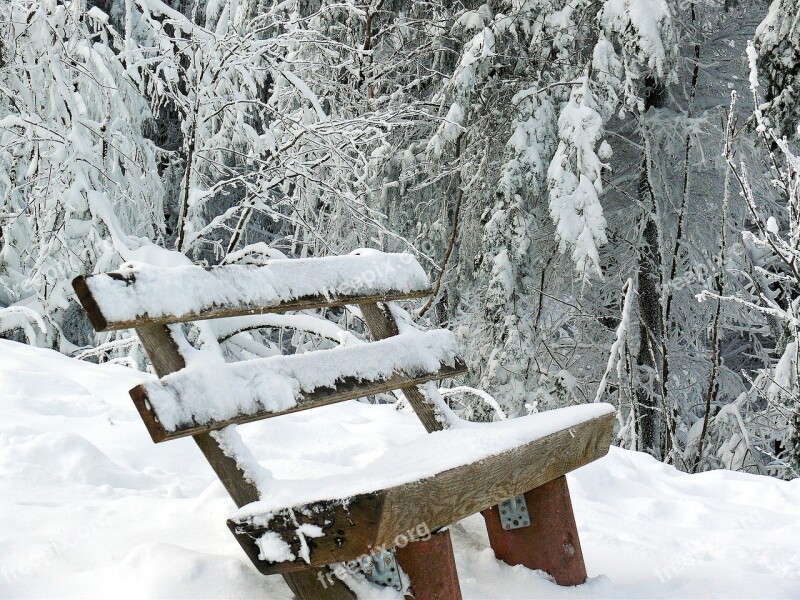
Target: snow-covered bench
[[512, 471]]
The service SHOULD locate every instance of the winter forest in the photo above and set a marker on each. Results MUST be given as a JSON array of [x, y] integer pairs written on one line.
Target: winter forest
[[605, 194]]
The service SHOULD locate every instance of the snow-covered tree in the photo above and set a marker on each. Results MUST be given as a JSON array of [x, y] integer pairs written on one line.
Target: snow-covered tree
[[76, 171], [555, 165], [777, 43], [768, 417]]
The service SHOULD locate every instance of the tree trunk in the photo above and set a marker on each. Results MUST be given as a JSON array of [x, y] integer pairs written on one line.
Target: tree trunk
[[649, 359]]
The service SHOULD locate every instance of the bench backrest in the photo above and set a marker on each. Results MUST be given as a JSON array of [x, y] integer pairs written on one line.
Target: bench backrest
[[202, 399], [153, 300]]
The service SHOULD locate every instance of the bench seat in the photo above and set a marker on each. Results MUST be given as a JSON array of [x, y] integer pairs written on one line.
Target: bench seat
[[393, 484]]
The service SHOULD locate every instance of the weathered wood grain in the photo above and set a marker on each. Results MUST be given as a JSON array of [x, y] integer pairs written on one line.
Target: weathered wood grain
[[382, 325], [159, 343], [347, 525], [308, 585], [348, 388], [101, 323], [460, 492], [436, 501]]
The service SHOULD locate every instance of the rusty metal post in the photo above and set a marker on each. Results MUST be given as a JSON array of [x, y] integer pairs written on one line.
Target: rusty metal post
[[551, 541], [431, 567]]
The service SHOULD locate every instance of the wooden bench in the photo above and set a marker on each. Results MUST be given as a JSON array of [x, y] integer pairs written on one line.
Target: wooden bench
[[514, 476]]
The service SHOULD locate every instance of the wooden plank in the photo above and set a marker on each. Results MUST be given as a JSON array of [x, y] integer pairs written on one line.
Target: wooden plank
[[550, 543], [133, 297], [436, 501], [348, 388], [162, 349], [346, 525], [460, 492], [160, 345], [382, 325], [527, 546], [100, 323]]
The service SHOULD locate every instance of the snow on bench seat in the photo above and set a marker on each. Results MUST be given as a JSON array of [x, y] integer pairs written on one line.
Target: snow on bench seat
[[383, 490], [141, 294], [210, 396]]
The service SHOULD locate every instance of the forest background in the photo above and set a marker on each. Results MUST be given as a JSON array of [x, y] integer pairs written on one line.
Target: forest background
[[606, 193]]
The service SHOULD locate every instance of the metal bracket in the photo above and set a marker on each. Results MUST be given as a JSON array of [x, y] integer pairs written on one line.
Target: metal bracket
[[514, 513], [382, 568]]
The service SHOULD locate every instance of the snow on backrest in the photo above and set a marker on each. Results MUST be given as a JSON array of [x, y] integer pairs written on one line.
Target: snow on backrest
[[142, 294], [213, 394]]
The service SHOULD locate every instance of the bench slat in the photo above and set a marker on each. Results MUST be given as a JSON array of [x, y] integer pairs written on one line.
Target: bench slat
[[139, 295], [355, 526], [206, 397]]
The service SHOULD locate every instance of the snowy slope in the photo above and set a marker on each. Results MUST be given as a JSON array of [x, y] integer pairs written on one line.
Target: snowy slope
[[89, 507]]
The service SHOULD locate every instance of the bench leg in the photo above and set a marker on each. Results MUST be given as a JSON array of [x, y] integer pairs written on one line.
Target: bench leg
[[309, 585], [550, 543], [431, 567]]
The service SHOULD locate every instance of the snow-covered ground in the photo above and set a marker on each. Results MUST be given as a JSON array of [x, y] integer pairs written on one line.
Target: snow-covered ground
[[90, 507]]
